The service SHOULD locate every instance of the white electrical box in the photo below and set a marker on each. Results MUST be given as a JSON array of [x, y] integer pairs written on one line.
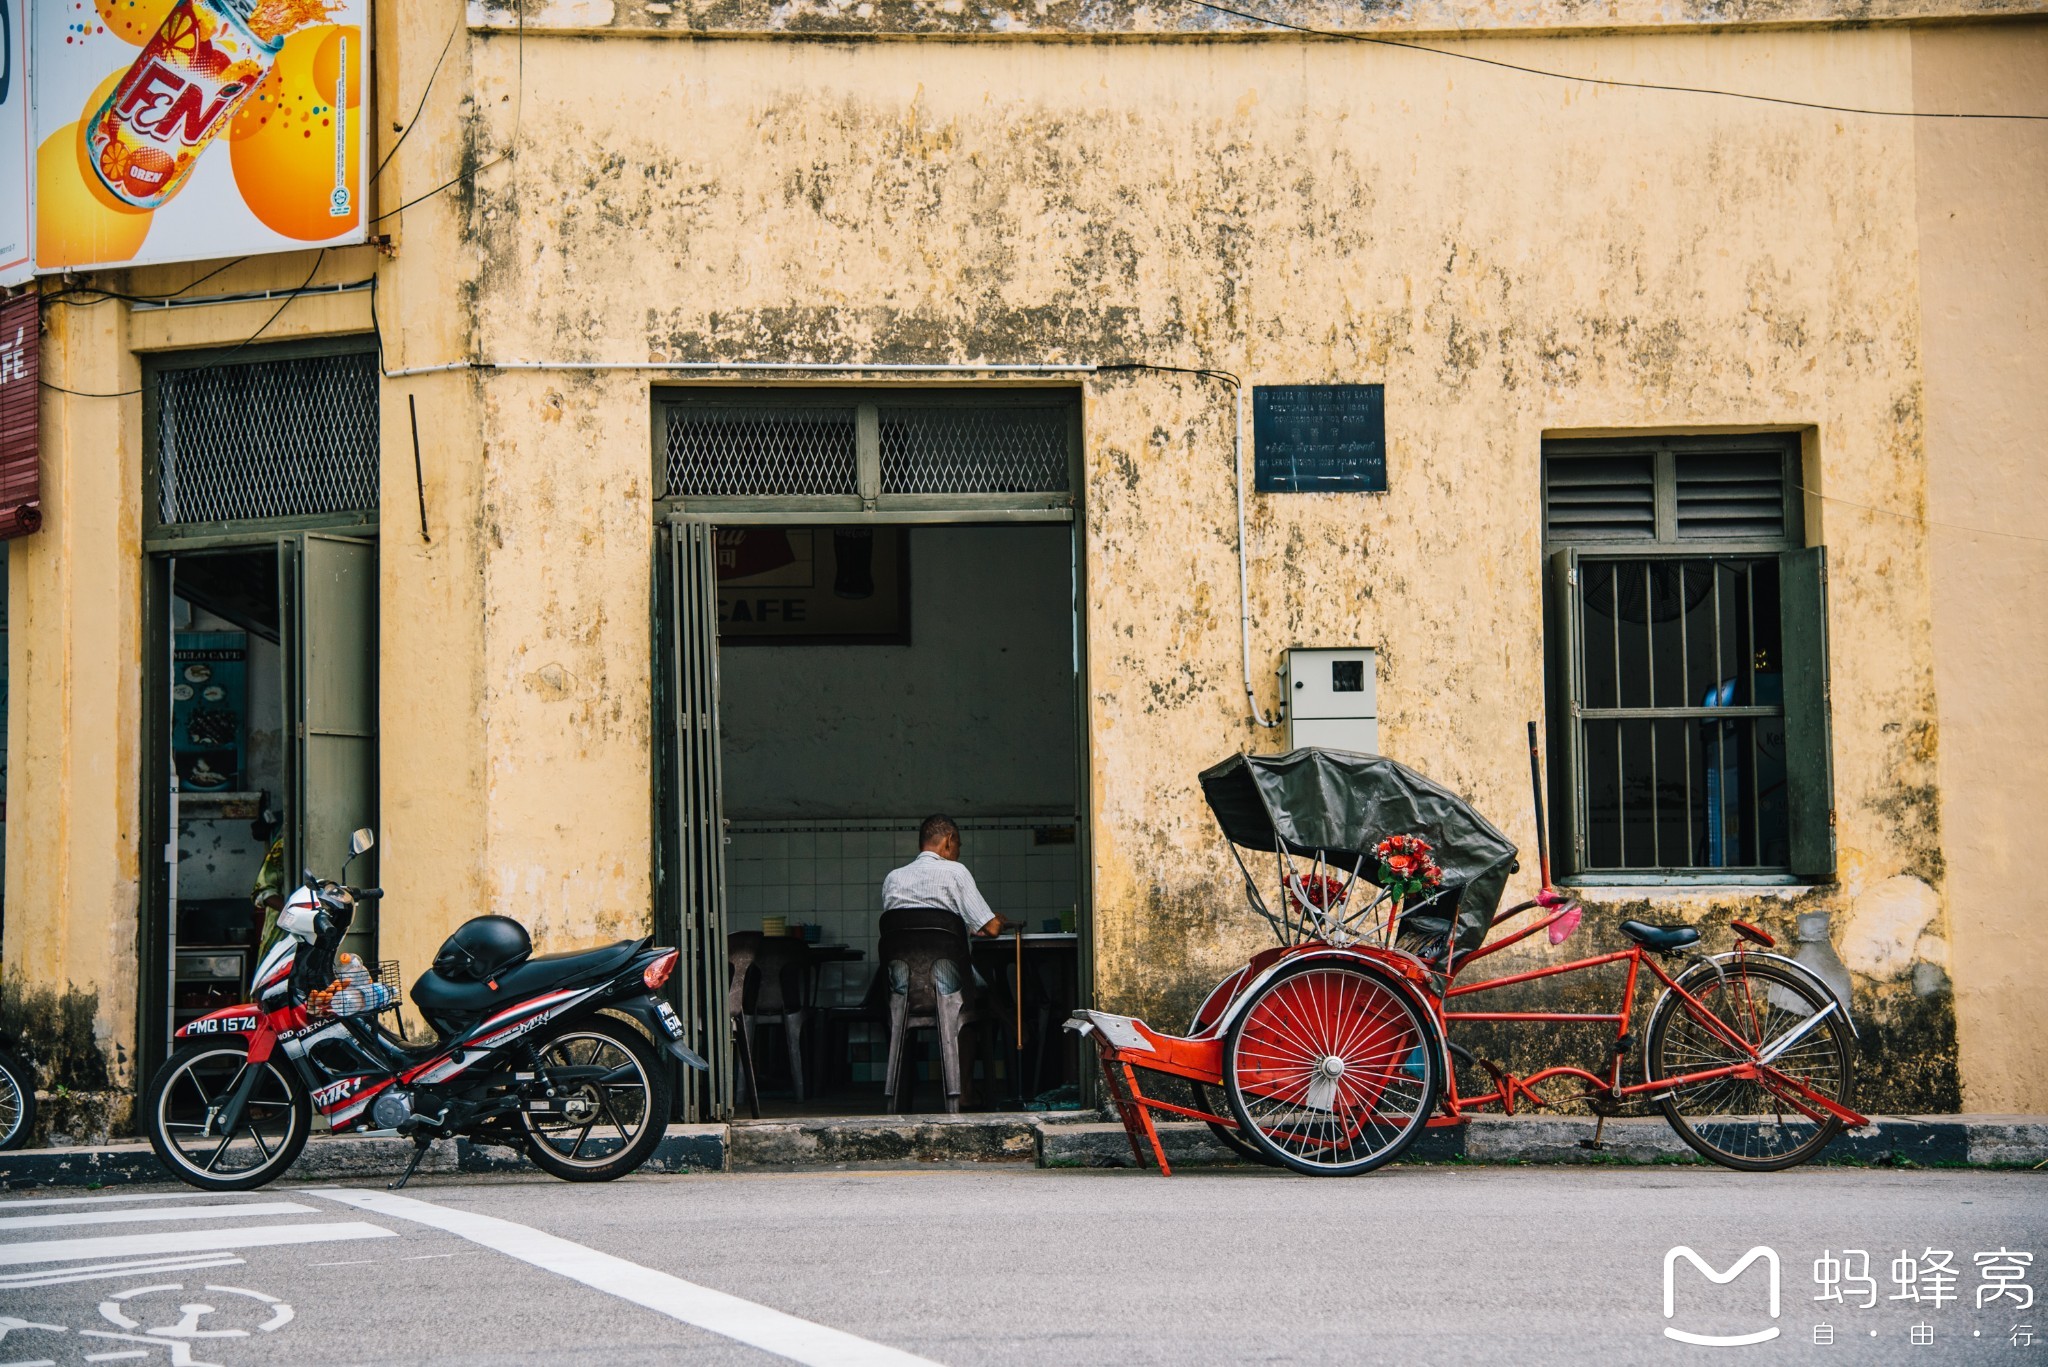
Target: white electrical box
[[1332, 699]]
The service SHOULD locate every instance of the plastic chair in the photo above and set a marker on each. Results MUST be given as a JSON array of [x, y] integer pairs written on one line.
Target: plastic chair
[[921, 949], [922, 918], [768, 980]]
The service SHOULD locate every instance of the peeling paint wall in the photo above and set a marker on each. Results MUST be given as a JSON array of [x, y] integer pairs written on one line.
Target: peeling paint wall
[[1510, 256], [1513, 257], [1984, 268]]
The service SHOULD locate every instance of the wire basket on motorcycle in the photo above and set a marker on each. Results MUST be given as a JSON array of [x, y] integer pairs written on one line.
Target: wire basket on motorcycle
[[356, 991]]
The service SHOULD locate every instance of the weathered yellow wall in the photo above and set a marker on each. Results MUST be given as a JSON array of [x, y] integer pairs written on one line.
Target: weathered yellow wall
[[1511, 256], [74, 719], [1983, 204]]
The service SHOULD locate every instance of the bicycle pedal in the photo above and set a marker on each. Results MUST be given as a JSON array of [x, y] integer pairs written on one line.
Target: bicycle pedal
[[1594, 1144]]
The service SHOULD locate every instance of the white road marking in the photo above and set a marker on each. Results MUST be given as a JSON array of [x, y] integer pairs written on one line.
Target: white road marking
[[125, 1217], [279, 1317], [185, 1241], [758, 1326], [103, 1196], [110, 1357], [148, 1267], [181, 1352], [111, 1308]]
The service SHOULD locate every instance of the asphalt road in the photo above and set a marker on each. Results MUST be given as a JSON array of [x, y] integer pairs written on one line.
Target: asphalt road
[[1015, 1265]]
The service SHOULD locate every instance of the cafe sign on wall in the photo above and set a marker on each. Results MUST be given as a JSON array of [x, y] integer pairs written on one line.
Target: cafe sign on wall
[[21, 498]]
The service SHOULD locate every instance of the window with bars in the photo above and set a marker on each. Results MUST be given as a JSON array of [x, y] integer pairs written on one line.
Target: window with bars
[[1687, 640], [293, 436], [855, 450]]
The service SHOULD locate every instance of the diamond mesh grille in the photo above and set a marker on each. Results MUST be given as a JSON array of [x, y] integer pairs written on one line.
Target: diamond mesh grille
[[1007, 449], [737, 449], [282, 438]]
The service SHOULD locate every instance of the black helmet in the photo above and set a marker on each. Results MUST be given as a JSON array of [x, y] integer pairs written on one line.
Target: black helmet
[[482, 949]]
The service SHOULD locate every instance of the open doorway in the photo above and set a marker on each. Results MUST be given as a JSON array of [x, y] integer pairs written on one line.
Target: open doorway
[[263, 694], [864, 677]]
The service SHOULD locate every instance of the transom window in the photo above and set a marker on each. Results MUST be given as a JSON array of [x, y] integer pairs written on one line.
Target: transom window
[[875, 451], [1686, 634]]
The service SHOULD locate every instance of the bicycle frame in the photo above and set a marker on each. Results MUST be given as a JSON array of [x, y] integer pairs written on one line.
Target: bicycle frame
[[1508, 1086]]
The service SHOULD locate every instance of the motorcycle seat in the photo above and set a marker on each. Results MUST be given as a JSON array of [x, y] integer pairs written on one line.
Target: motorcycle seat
[[439, 996]]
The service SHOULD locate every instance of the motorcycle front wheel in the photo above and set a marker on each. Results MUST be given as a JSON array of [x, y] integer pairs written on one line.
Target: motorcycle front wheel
[[611, 1102], [181, 1109], [17, 1102]]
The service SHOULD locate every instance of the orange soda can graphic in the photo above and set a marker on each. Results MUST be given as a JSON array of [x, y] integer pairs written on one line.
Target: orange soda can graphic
[[183, 89]]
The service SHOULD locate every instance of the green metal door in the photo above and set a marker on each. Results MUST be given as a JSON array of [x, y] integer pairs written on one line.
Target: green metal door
[[692, 874], [327, 586]]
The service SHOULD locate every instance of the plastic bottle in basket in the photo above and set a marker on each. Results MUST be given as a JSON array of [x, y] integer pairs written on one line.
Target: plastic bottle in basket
[[353, 1001]]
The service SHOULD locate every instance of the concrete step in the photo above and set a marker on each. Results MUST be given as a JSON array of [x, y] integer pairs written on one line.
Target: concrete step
[[1973, 1141], [979, 1138], [333, 1157]]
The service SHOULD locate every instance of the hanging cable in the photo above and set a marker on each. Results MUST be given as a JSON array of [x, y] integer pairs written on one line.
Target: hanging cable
[[103, 295], [1599, 80], [219, 361], [511, 148], [419, 108]]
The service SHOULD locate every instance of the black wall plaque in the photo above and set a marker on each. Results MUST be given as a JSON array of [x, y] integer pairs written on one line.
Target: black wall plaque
[[1319, 438]]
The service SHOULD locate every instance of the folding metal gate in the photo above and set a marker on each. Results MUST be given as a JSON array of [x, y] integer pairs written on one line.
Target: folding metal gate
[[692, 875]]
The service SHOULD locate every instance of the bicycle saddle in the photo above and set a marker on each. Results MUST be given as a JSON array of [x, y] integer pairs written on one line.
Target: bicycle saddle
[[1663, 939]]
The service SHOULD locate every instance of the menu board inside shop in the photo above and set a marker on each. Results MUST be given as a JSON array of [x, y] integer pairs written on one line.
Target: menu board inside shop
[[1319, 438]]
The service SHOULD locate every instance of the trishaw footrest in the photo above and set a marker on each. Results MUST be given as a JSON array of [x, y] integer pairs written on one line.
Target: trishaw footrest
[[1118, 1032]]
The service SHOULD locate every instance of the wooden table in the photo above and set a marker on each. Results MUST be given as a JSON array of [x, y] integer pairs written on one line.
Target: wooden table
[[1000, 959]]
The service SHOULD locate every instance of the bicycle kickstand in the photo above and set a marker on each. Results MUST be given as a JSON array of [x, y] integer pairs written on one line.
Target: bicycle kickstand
[[1599, 1124], [422, 1143]]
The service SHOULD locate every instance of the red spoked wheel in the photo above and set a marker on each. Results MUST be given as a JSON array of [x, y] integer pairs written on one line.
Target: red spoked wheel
[[1332, 1070]]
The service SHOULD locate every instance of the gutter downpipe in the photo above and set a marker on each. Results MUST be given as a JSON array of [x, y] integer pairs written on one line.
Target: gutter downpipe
[[1244, 590], [1244, 579]]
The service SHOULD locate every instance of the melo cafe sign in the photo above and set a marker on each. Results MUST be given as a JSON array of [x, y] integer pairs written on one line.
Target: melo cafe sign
[[138, 132]]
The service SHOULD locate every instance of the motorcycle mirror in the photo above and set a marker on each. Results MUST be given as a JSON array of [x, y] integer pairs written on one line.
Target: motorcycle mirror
[[362, 840]]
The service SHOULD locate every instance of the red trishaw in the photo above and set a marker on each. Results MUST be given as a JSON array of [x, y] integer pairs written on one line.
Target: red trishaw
[[1332, 1050]]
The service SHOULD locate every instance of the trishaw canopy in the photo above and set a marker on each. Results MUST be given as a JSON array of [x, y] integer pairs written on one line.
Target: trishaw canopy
[[1339, 805]]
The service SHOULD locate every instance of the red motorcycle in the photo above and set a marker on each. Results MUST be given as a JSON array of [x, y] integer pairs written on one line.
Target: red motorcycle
[[538, 1054]]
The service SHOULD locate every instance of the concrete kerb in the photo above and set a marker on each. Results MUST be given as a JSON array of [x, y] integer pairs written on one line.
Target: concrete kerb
[[1066, 1141], [685, 1148], [1923, 1141]]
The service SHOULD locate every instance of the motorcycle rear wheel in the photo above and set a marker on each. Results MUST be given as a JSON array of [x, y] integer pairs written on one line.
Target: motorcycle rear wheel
[[178, 1116], [615, 1101], [17, 1101]]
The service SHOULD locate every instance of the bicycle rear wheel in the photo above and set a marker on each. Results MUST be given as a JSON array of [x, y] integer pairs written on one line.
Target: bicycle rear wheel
[[1749, 1125]]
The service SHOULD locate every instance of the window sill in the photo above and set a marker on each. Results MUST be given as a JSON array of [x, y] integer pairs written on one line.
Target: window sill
[[1619, 889]]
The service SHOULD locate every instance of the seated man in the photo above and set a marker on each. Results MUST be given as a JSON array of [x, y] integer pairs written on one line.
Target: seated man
[[937, 878]]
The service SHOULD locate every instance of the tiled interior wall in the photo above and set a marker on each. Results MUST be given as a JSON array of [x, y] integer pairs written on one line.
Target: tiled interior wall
[[829, 873]]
